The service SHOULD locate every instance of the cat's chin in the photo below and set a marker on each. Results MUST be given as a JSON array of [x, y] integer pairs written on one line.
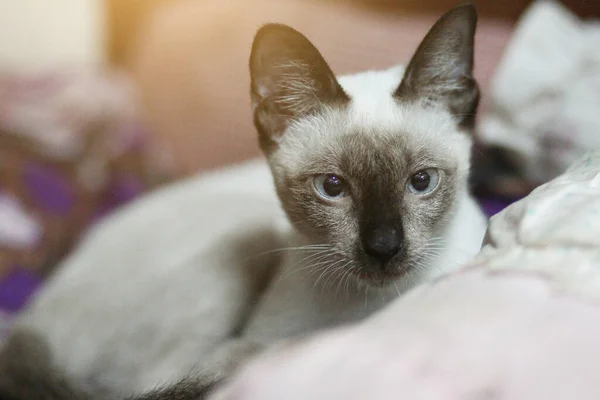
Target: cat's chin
[[379, 279]]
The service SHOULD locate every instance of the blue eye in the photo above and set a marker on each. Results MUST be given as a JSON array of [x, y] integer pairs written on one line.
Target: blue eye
[[424, 181], [330, 186]]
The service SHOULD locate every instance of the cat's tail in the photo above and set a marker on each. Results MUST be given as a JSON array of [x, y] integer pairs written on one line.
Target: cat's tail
[[28, 372]]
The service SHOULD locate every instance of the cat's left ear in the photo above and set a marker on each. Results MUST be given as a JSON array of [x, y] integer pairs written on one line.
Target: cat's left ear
[[441, 70], [289, 80]]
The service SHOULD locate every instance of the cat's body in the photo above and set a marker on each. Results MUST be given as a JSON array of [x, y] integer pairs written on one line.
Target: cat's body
[[189, 280]]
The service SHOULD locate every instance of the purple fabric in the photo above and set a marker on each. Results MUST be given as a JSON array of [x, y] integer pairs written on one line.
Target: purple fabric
[[123, 190], [16, 288], [492, 206], [52, 191]]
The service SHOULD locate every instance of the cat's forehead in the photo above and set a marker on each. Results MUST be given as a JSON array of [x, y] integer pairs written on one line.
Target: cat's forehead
[[392, 137], [371, 87], [375, 127]]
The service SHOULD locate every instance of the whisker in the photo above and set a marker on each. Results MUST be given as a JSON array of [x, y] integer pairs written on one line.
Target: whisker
[[344, 273], [331, 266], [327, 267], [335, 273], [305, 267], [350, 277], [316, 256], [307, 247]]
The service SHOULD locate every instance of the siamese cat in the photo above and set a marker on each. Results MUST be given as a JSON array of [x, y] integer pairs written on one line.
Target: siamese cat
[[363, 195]]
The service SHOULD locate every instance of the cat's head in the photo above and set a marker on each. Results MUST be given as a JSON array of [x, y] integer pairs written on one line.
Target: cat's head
[[372, 164]]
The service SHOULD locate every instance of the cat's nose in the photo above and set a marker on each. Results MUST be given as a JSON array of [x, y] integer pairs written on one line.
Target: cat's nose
[[383, 243]]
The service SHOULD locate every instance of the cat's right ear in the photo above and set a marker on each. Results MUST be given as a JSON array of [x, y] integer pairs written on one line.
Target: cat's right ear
[[289, 80], [441, 70]]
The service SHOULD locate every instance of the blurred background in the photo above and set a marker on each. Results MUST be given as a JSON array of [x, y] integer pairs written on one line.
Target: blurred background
[[103, 100]]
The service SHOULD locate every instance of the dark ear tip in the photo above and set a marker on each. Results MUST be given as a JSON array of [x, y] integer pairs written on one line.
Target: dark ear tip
[[462, 18], [466, 11], [274, 37], [274, 30], [266, 35]]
